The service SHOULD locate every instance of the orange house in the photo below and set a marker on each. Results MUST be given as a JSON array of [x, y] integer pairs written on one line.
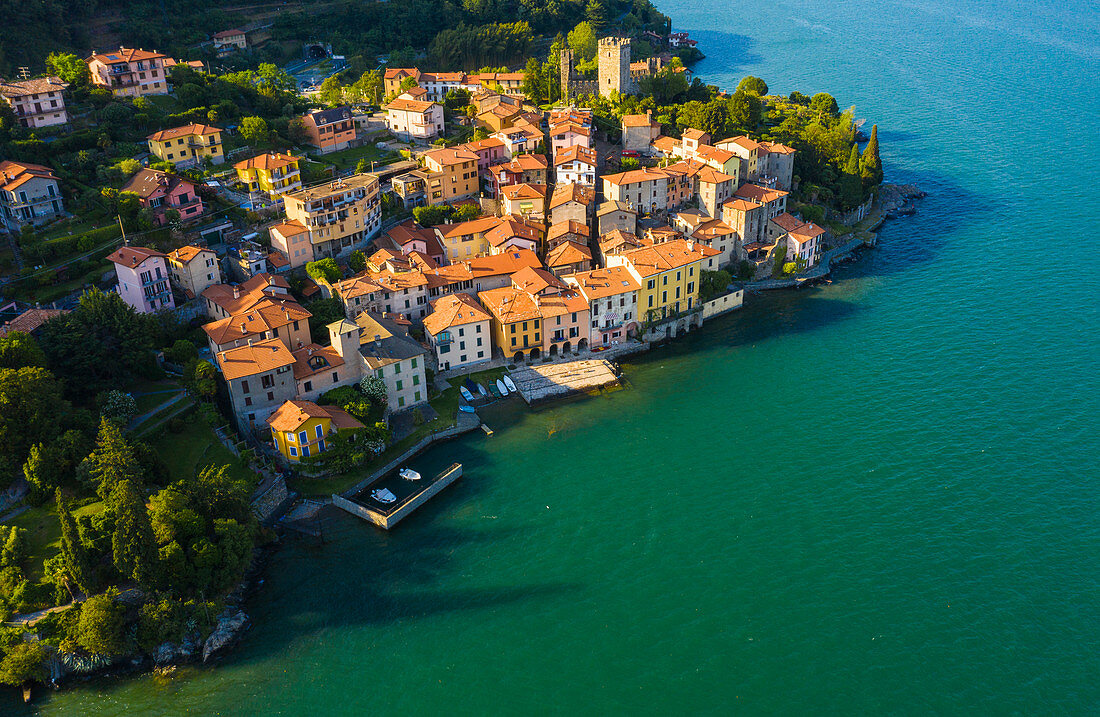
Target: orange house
[[330, 130]]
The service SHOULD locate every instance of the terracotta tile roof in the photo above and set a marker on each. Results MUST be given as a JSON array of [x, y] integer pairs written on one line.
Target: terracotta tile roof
[[535, 281], [261, 356], [148, 182], [454, 310], [37, 86], [277, 260], [575, 152], [786, 222], [742, 205], [570, 126], [447, 156], [777, 148], [30, 320], [759, 194], [235, 299], [639, 121], [664, 144], [658, 258], [711, 175], [227, 33], [512, 227], [805, 233], [564, 193], [393, 73], [270, 161], [514, 192], [474, 226], [509, 305], [407, 105], [523, 163], [568, 252], [186, 254], [357, 286], [133, 256], [291, 228], [567, 227], [15, 174], [713, 229], [188, 130], [635, 176], [292, 415], [742, 142], [124, 54], [266, 315], [602, 283], [312, 359], [692, 133], [714, 154], [483, 144], [617, 241]]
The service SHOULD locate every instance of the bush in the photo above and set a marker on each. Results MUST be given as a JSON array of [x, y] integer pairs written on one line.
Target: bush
[[373, 388], [117, 406], [324, 270], [175, 425]]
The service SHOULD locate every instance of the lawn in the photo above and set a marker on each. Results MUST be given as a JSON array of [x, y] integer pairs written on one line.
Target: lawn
[[44, 533], [194, 448], [348, 158], [150, 394]]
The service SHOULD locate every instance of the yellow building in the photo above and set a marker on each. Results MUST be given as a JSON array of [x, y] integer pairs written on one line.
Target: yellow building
[[188, 146], [302, 429], [668, 274], [517, 321], [273, 173], [452, 175], [340, 216]]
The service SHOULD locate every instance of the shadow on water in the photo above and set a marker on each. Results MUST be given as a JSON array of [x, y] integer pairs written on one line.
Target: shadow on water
[[733, 49]]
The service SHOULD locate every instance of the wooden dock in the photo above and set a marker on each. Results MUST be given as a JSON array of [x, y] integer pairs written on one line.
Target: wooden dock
[[541, 383], [386, 516]]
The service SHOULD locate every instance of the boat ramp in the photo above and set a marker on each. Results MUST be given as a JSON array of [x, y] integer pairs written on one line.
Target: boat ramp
[[554, 380]]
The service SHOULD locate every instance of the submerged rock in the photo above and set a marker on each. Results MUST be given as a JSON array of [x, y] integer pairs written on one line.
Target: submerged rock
[[231, 624], [166, 653]]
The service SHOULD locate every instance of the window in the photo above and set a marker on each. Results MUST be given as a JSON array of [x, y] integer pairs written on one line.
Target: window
[[400, 401], [303, 437], [293, 451], [267, 381], [248, 400], [399, 384], [479, 341], [513, 327], [513, 340], [416, 378], [244, 386], [664, 280], [416, 396], [270, 396], [414, 363], [320, 431], [524, 325], [307, 386], [305, 451], [335, 376]]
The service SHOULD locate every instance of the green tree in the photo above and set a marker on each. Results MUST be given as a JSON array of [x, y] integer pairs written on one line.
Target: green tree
[[113, 460], [78, 564], [42, 471], [173, 519], [133, 545], [870, 165], [117, 406], [824, 103], [431, 215], [465, 213], [23, 661], [274, 81], [851, 185], [745, 110], [30, 403], [753, 85], [324, 270], [534, 82], [582, 40], [254, 130], [19, 349], [205, 383], [69, 67], [357, 261], [217, 493], [332, 91], [595, 13], [99, 630]]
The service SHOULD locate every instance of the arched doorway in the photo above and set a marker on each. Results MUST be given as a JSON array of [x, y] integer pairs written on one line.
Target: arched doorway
[[565, 347], [681, 328], [553, 350], [582, 344], [535, 353], [517, 357]]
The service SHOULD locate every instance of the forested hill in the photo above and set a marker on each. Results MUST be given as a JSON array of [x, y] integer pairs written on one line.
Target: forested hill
[[497, 31]]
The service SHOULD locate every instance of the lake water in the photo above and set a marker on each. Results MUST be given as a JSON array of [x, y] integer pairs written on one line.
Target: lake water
[[874, 496]]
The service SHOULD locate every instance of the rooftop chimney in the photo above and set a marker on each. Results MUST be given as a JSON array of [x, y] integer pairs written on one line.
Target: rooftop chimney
[[236, 292]]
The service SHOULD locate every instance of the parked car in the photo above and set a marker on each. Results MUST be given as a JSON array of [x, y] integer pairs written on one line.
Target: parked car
[[630, 153]]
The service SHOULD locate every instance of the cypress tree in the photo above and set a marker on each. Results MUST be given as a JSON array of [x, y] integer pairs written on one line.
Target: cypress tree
[[113, 460], [133, 545], [73, 551], [870, 166], [851, 189]]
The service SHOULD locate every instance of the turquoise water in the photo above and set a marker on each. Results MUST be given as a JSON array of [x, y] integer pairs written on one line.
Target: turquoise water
[[874, 496]]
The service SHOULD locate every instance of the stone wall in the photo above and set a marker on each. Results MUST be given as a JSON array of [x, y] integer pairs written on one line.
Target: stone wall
[[269, 504], [724, 303]]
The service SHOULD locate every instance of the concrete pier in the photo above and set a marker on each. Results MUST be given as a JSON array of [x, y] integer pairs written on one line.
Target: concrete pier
[[409, 498], [541, 383]]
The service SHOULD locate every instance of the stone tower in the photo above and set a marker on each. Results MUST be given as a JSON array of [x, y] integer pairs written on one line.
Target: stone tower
[[566, 72], [613, 56]]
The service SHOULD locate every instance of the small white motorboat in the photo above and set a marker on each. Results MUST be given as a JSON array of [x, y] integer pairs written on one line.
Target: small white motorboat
[[502, 388], [408, 474], [508, 382], [383, 495], [481, 390], [466, 393]]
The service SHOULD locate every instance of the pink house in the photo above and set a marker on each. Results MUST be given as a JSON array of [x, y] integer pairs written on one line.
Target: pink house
[[568, 134], [160, 191], [143, 278], [489, 151]]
